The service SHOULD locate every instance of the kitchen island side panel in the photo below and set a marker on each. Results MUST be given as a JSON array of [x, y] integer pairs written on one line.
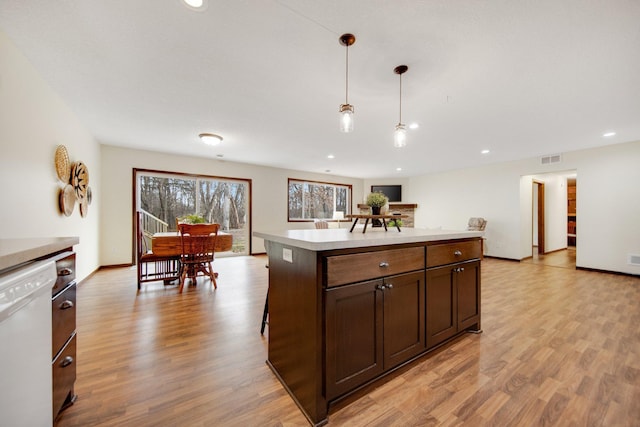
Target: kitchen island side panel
[[295, 326]]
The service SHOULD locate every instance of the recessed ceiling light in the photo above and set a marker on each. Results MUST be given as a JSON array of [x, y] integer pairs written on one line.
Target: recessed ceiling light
[[331, 156], [398, 169], [485, 152], [608, 134], [198, 5], [414, 126], [210, 138]]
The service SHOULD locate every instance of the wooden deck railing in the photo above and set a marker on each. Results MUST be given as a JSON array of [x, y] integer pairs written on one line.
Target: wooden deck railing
[[151, 225]]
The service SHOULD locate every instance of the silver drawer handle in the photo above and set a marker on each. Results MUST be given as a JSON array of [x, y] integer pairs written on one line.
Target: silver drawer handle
[[457, 253], [66, 361], [390, 286], [384, 264], [66, 304], [65, 272], [380, 287]]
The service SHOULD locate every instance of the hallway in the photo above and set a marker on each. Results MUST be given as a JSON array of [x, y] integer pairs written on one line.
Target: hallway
[[565, 258]]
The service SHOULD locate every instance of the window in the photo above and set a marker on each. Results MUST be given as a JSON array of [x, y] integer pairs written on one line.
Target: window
[[309, 200], [163, 197]]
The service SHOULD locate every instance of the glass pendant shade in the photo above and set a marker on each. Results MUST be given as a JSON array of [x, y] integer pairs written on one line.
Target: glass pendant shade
[[346, 109], [346, 118], [400, 136]]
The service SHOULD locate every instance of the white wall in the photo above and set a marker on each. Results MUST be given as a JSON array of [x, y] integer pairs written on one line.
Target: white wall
[[269, 194], [608, 204], [33, 121], [449, 199]]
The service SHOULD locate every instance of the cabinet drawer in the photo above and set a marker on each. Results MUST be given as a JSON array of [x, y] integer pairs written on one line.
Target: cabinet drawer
[[449, 253], [63, 317], [66, 267], [343, 269], [64, 376]]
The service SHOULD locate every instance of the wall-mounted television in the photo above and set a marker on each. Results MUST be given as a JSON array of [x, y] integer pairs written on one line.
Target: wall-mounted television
[[393, 192]]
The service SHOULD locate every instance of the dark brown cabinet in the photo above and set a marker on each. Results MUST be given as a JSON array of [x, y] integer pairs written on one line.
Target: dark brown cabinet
[[453, 300], [341, 318], [371, 327], [63, 333]]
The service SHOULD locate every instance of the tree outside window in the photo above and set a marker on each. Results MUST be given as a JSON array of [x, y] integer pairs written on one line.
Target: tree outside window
[[309, 200], [225, 201]]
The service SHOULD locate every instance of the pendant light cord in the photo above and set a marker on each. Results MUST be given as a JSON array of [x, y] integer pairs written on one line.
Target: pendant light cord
[[346, 91], [400, 118]]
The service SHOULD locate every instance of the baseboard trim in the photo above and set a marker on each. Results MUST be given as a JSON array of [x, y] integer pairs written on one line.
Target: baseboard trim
[[597, 270]]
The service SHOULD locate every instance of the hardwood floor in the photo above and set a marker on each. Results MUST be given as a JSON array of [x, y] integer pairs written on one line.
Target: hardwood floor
[[560, 347], [565, 258]]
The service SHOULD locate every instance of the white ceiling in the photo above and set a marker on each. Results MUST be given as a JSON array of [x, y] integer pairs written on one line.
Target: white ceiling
[[519, 77]]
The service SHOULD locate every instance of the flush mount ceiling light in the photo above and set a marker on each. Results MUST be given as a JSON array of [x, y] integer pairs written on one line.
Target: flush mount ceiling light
[[210, 138], [198, 5], [609, 134], [400, 134], [346, 109]]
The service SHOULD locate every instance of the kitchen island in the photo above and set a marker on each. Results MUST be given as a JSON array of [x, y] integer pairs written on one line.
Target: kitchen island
[[346, 309]]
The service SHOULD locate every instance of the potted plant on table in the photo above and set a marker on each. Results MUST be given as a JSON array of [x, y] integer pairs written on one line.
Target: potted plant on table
[[191, 219], [376, 200]]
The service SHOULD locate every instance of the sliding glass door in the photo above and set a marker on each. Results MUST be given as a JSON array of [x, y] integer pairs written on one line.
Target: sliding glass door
[[164, 197]]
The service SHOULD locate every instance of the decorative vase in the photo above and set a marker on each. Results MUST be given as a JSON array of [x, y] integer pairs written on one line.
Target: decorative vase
[[375, 210]]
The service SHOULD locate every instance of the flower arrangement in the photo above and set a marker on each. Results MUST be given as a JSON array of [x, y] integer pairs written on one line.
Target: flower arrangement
[[376, 200]]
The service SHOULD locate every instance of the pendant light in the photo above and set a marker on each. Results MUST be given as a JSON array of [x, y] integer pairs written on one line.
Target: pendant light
[[400, 134], [346, 109]]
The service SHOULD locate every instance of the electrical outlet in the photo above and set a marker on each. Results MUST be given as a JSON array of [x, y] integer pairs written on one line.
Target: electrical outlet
[[287, 255]]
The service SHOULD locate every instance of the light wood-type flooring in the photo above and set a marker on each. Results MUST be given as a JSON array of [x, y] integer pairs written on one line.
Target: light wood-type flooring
[[565, 258], [560, 347]]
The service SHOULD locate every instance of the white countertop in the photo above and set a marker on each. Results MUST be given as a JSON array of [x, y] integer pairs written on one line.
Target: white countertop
[[341, 238], [14, 252]]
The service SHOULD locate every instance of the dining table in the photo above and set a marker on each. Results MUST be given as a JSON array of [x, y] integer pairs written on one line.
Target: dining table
[[168, 243]]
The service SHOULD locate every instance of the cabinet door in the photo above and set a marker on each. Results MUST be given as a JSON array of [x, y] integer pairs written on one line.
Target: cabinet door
[[468, 284], [353, 336], [404, 317], [441, 305]]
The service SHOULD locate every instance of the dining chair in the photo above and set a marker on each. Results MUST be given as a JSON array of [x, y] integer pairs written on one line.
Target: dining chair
[[151, 267], [477, 224], [198, 248], [320, 224]]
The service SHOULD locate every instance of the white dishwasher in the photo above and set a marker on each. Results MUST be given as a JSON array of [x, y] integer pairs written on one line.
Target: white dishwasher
[[25, 345]]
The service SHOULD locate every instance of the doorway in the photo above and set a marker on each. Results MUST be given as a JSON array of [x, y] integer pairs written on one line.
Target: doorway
[[538, 218], [552, 216]]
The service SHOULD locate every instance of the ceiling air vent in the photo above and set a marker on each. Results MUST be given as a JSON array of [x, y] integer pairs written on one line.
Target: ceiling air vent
[[634, 259], [549, 160]]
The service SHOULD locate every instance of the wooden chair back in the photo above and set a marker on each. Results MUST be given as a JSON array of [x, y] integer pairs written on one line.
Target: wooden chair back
[[198, 241], [321, 225]]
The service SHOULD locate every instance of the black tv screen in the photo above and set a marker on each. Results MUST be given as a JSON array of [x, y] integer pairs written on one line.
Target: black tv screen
[[393, 192]]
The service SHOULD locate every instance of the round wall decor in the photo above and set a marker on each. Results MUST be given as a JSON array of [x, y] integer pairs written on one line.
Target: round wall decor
[[80, 179]]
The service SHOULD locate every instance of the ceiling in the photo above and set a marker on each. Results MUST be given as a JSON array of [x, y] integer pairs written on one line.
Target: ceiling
[[520, 78]]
